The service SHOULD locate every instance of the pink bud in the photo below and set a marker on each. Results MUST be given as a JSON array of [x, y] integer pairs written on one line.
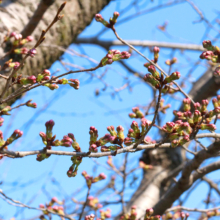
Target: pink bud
[[29, 38], [156, 49], [102, 176], [98, 17], [32, 52]]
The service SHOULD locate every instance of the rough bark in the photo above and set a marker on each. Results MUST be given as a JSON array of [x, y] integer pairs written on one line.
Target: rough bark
[[14, 16], [152, 187]]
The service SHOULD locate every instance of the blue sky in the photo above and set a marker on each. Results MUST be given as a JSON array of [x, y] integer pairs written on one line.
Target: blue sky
[[75, 111]]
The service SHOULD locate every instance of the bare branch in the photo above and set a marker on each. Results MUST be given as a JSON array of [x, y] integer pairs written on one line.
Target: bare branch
[[145, 43]]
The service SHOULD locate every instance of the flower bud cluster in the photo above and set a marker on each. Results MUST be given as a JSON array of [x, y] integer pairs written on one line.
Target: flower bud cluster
[[212, 54], [167, 89], [136, 113], [114, 55], [48, 139], [32, 105], [68, 140], [51, 207], [134, 133], [112, 21], [105, 214], [115, 137], [90, 217], [90, 180], [18, 42], [148, 140], [10, 64], [171, 62], [176, 215], [1, 121], [17, 39], [5, 110], [76, 160], [15, 135], [93, 202], [42, 77], [213, 213], [130, 216], [149, 215], [155, 78], [180, 131]]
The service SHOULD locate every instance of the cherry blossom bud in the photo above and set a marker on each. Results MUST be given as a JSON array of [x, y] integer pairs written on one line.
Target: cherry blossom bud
[[54, 199], [74, 83], [153, 81], [132, 115], [66, 141], [31, 79], [12, 34], [43, 136], [169, 127], [49, 126], [186, 104], [62, 81], [46, 72], [114, 19], [134, 126], [5, 110], [184, 140], [128, 141], [52, 86], [32, 105], [125, 55], [32, 52], [16, 65], [29, 38], [106, 139], [112, 131], [41, 206], [102, 176], [93, 148], [175, 143], [16, 134], [215, 102], [197, 105], [174, 76], [210, 127], [197, 116], [208, 55], [156, 53], [205, 103], [120, 132], [207, 44], [1, 121], [153, 71], [149, 212], [99, 18]]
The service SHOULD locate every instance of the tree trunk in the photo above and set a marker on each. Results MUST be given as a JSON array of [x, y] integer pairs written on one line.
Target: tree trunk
[[15, 15], [152, 186]]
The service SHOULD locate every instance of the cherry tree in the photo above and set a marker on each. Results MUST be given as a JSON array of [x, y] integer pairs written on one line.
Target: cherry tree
[[185, 148]]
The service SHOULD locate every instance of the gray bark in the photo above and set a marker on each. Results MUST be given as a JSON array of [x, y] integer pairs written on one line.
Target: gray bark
[[14, 16], [152, 187]]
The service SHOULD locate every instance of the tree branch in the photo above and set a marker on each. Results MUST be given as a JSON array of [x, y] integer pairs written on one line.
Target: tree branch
[[145, 43], [186, 180]]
